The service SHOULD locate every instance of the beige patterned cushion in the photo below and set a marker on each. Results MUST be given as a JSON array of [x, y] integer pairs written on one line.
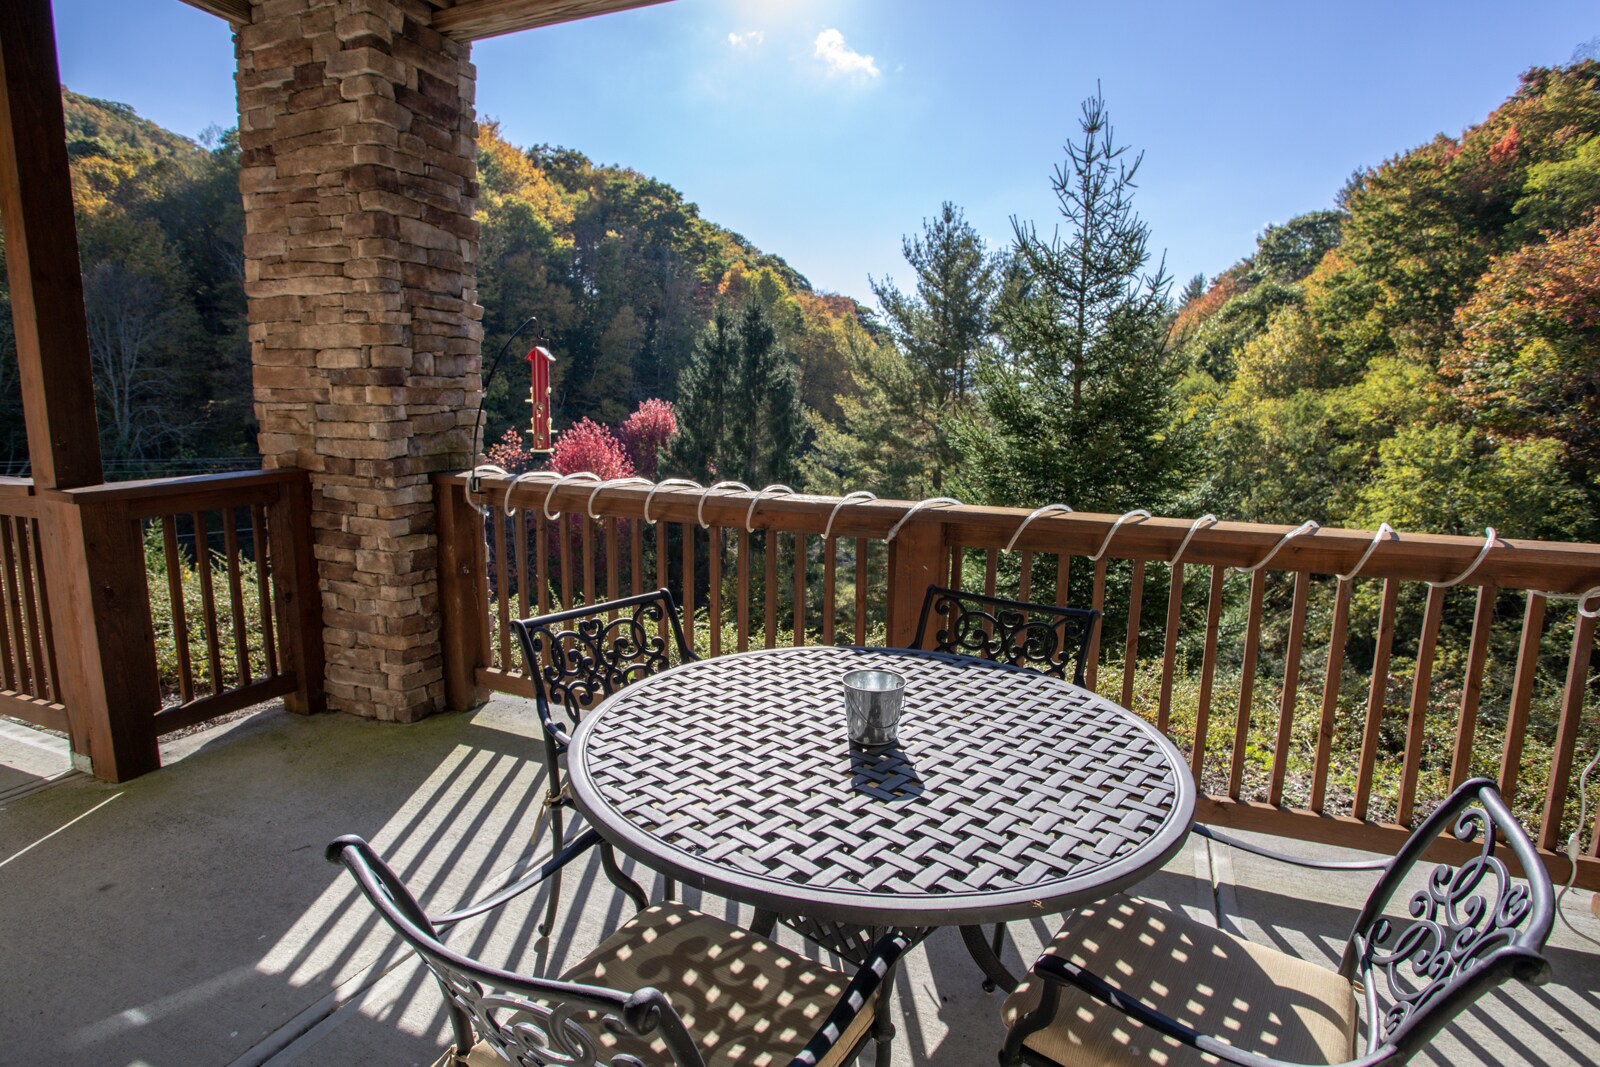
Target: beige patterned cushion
[[1256, 998], [747, 1001]]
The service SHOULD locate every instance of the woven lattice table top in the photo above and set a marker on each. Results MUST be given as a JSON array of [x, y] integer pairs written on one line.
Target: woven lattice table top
[[1009, 794]]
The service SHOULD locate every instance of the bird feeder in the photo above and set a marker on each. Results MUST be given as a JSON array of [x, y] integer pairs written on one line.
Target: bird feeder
[[539, 361]]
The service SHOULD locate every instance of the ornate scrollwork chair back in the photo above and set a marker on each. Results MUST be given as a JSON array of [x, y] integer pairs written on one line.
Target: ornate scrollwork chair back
[[526, 1020], [580, 656], [1041, 637], [1470, 927]]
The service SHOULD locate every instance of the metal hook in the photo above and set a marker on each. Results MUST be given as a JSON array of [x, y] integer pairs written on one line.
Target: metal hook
[[857, 494], [1383, 528], [1037, 512], [750, 515], [588, 476], [631, 480], [687, 483], [1199, 524], [918, 506], [1137, 513], [1310, 526], [700, 511], [1489, 541]]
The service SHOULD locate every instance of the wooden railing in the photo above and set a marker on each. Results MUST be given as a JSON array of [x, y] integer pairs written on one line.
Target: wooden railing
[[185, 599], [30, 684], [1346, 748]]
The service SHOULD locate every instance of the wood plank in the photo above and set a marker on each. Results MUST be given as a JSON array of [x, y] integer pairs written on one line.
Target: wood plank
[[714, 586], [47, 626], [1377, 696], [541, 550], [1571, 725], [1169, 652], [916, 560], [30, 606], [586, 539], [1247, 683], [561, 529], [208, 601], [799, 598], [1097, 600], [1472, 687], [991, 569], [742, 605], [50, 715], [663, 572], [1291, 687], [180, 614], [244, 696], [17, 653], [863, 546], [1208, 674], [36, 212], [1521, 695], [241, 639], [465, 615], [769, 561], [830, 590], [613, 563], [1130, 650], [1025, 576], [1332, 679], [258, 541], [502, 576], [1063, 579], [686, 532], [1417, 719], [475, 20], [297, 593], [237, 12]]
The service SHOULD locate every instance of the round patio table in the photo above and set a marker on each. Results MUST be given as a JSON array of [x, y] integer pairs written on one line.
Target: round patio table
[[1010, 794]]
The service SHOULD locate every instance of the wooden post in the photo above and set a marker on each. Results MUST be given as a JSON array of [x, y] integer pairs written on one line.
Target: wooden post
[[42, 254], [104, 638], [297, 596], [916, 561], [466, 615]]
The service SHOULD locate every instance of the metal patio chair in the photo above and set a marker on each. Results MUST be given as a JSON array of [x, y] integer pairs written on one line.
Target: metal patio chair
[[576, 659], [670, 987], [1128, 982], [1039, 637]]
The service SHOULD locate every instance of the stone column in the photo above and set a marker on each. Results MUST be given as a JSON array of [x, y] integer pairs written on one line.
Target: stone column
[[358, 173]]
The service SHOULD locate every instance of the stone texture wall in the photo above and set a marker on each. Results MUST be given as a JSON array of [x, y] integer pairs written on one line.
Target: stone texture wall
[[358, 173]]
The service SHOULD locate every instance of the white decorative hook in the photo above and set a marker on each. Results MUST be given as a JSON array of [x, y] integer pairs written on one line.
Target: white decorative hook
[[1490, 539], [583, 476], [1137, 513], [750, 515], [607, 484], [932, 500], [700, 511], [475, 483], [858, 494], [1310, 526], [1384, 530], [525, 476], [1064, 509], [687, 483], [1199, 524]]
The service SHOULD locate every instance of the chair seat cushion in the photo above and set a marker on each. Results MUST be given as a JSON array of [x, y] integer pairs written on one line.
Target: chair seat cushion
[[1255, 998], [746, 1000]]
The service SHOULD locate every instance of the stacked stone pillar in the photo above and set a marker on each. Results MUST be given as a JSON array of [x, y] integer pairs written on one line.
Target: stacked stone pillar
[[358, 173]]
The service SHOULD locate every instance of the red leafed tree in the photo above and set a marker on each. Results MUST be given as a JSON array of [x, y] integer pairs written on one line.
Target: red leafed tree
[[646, 432], [588, 446]]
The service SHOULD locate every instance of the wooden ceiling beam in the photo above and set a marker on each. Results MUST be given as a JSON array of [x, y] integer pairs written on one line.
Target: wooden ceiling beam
[[235, 11], [473, 20]]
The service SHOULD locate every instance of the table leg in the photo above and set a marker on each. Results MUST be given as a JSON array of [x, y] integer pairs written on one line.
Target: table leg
[[984, 956], [764, 922], [882, 1026]]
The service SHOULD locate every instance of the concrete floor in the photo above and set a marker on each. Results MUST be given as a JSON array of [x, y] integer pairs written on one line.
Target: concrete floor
[[188, 917]]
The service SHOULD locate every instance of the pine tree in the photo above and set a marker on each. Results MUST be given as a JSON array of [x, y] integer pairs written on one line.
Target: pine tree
[[1078, 406]]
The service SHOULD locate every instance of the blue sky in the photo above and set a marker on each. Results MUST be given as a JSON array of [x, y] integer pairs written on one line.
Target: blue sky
[[824, 130]]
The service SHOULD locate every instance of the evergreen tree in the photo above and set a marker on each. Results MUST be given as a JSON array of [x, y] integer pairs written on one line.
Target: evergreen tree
[[739, 414], [1079, 407]]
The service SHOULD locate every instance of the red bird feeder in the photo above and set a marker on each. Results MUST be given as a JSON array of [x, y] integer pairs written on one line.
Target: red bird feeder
[[539, 360]]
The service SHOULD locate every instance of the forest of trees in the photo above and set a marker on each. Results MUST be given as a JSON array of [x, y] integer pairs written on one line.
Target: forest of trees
[[1424, 351]]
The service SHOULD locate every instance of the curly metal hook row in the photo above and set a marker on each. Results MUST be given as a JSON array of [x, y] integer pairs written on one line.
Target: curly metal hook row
[[1047, 509]]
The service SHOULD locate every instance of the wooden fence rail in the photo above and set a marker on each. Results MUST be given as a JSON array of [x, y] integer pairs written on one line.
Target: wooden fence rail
[[220, 565], [1331, 709]]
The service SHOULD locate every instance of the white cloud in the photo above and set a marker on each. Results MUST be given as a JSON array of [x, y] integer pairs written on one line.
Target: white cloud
[[746, 40], [841, 59]]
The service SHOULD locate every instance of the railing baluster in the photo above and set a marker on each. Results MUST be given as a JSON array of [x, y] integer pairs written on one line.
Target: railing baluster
[[686, 531], [525, 569], [541, 552], [636, 582], [1291, 687], [1555, 797], [258, 542], [742, 543], [1521, 695], [175, 591], [208, 600], [1097, 600], [799, 589], [1208, 673], [830, 593], [502, 605], [1247, 683], [957, 558], [663, 571], [1025, 576], [586, 539], [1130, 655], [44, 616], [991, 568], [241, 635], [769, 559], [1332, 679], [861, 590], [16, 651], [1169, 653], [1417, 719], [30, 608], [714, 586], [1063, 579], [1377, 696], [563, 532], [1472, 689], [613, 564]]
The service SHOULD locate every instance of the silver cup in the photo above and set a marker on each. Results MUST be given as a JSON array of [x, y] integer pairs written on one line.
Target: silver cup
[[872, 702]]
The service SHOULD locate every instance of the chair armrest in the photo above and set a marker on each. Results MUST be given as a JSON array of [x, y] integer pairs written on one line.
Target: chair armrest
[[1059, 973], [1283, 857], [578, 845], [857, 995]]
